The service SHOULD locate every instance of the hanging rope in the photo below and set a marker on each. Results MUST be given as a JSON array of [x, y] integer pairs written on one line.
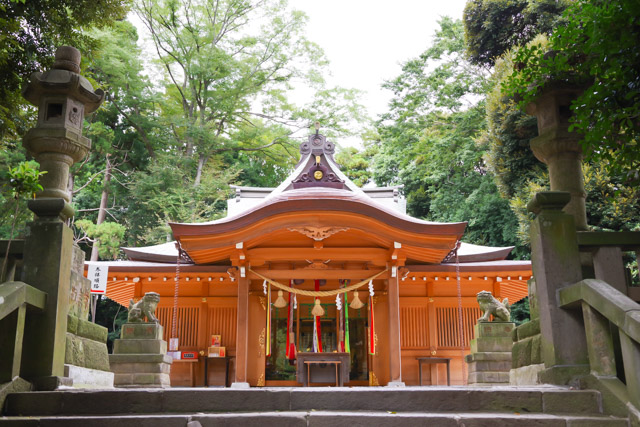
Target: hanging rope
[[174, 322], [318, 293], [460, 321]]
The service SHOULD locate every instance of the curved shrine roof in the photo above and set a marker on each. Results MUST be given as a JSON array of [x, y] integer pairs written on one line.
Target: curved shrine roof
[[319, 200], [317, 208]]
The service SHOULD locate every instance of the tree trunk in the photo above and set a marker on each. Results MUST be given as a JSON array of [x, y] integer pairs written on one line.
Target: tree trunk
[[102, 211], [201, 162]]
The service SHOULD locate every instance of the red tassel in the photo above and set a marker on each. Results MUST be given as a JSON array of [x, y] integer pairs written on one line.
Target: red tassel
[[291, 345]]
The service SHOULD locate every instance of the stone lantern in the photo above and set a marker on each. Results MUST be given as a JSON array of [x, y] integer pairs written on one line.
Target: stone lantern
[[63, 98], [559, 148]]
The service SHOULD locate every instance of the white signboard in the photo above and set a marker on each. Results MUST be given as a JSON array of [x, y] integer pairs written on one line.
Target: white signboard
[[98, 276]]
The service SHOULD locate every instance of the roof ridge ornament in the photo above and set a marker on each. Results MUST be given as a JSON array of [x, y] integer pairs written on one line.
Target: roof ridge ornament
[[318, 175], [317, 145]]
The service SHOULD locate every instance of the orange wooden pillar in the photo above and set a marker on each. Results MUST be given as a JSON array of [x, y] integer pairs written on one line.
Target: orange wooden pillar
[[242, 335], [395, 359]]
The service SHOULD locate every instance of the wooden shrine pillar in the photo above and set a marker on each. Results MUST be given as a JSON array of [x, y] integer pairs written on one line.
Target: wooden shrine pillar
[[395, 360], [242, 335]]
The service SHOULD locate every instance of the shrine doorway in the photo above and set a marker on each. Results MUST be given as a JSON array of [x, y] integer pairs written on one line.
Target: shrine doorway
[[282, 370]]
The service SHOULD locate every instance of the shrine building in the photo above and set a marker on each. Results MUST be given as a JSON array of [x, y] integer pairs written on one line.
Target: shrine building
[[317, 269]]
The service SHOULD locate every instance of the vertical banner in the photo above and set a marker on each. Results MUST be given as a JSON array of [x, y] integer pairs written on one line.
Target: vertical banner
[[347, 347], [291, 341], [268, 333], [372, 331], [317, 332]]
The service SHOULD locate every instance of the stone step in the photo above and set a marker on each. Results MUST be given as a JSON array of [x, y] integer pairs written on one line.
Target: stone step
[[530, 400], [321, 419]]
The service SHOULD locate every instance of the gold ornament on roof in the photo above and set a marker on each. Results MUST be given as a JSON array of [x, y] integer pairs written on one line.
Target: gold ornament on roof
[[318, 233]]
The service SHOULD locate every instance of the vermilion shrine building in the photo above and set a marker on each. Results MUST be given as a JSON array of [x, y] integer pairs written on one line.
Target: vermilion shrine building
[[321, 230]]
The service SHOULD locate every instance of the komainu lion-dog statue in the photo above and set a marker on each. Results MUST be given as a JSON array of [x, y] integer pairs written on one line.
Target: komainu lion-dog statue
[[145, 308], [491, 306]]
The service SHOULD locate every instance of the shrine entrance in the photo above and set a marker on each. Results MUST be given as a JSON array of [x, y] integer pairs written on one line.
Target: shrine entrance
[[280, 369]]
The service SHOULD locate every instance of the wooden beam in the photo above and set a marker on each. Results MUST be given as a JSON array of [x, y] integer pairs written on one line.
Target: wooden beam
[[375, 256], [329, 274]]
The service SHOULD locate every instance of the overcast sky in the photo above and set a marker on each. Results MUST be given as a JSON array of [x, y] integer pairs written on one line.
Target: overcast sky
[[367, 40]]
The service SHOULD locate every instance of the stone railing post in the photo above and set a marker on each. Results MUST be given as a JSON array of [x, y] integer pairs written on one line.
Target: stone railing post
[[556, 264], [559, 148], [63, 98]]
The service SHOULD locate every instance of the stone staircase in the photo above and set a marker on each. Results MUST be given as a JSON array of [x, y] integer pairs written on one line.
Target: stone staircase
[[335, 407]]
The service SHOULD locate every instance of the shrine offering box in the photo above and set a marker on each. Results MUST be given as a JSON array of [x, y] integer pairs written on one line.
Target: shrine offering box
[[215, 340], [187, 355], [217, 352]]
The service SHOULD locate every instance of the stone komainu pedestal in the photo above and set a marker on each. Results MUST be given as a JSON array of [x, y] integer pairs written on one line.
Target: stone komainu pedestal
[[490, 358], [139, 358]]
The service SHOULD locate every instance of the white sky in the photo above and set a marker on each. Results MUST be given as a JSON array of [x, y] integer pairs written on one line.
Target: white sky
[[367, 40]]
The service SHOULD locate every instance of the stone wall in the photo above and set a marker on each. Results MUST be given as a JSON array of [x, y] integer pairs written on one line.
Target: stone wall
[[526, 359], [86, 355]]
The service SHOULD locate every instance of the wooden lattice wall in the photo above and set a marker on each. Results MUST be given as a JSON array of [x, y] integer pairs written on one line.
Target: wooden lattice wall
[[198, 320], [417, 333]]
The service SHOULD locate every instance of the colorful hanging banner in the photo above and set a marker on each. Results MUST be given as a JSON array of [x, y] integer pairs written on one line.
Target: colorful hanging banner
[[372, 331], [317, 332], [347, 347], [291, 341], [268, 337], [340, 316]]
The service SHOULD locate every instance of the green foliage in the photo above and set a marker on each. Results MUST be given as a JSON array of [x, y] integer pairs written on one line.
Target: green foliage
[[217, 66], [356, 164], [492, 27], [112, 316], [428, 143], [166, 194], [509, 131], [520, 312], [108, 235], [596, 50], [24, 180], [30, 31]]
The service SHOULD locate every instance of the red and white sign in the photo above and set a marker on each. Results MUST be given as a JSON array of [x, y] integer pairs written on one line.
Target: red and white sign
[[98, 275]]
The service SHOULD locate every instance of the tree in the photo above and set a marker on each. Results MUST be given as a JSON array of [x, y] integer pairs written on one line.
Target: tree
[[492, 27], [30, 32], [519, 175], [428, 142], [219, 69], [356, 164], [596, 49], [125, 132], [23, 182]]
